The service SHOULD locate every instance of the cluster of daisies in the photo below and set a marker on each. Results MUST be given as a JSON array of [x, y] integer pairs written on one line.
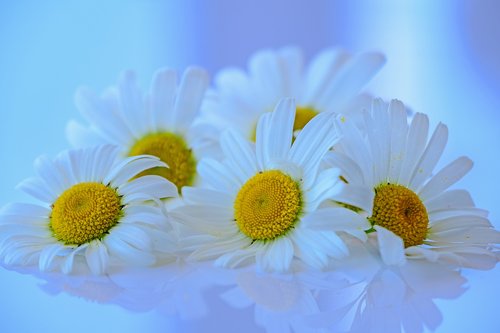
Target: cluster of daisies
[[281, 167]]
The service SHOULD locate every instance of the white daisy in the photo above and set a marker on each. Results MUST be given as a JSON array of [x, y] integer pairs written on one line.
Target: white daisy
[[389, 170], [159, 123], [330, 83], [93, 213], [260, 202]]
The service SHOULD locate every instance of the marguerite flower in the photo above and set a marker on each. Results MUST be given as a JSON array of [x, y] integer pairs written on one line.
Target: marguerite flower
[[160, 123], [260, 202], [330, 83], [93, 213], [388, 167]]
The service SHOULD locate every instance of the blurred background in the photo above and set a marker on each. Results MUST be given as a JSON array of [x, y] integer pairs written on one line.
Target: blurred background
[[443, 60]]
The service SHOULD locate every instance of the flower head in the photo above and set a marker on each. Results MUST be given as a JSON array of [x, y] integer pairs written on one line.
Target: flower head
[[94, 214], [330, 83], [160, 123], [259, 203], [388, 166]]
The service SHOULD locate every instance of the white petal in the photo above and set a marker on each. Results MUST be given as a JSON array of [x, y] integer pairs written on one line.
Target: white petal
[[107, 124], [327, 186], [313, 142], [307, 250], [156, 186], [448, 176], [47, 256], [191, 91], [349, 169], [335, 219], [355, 147], [235, 259], [322, 69], [377, 124], [97, 257], [267, 79], [163, 92], [131, 104], [240, 154], [478, 235], [102, 161], [135, 235], [278, 256], [453, 199], [25, 210], [430, 157], [357, 196], [130, 167], [197, 195], [421, 252], [391, 247], [205, 218], [274, 133], [217, 248], [126, 252], [399, 130], [38, 189], [68, 263], [81, 136], [291, 63], [415, 146], [218, 176], [459, 222], [348, 81], [456, 212]]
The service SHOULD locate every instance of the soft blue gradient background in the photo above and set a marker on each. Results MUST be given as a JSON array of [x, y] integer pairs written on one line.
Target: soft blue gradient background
[[443, 59]]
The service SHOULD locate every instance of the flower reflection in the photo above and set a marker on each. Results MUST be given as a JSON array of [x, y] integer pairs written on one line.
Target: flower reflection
[[352, 299], [386, 298]]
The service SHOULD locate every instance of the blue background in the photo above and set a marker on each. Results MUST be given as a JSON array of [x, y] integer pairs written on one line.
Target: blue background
[[443, 59]]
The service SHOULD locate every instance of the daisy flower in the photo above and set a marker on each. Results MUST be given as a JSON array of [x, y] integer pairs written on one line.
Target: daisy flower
[[260, 202], [160, 123], [388, 168], [331, 82], [93, 214]]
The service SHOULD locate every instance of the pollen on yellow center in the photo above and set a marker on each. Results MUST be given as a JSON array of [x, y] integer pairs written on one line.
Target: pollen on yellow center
[[171, 149], [400, 210], [268, 205], [84, 212], [302, 116]]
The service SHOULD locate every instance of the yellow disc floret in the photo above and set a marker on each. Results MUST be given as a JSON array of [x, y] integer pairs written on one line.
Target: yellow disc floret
[[84, 212], [400, 210], [268, 205], [172, 150]]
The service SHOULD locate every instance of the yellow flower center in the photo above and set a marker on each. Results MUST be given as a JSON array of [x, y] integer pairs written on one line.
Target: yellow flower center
[[171, 149], [400, 210], [85, 212], [302, 116], [268, 205]]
